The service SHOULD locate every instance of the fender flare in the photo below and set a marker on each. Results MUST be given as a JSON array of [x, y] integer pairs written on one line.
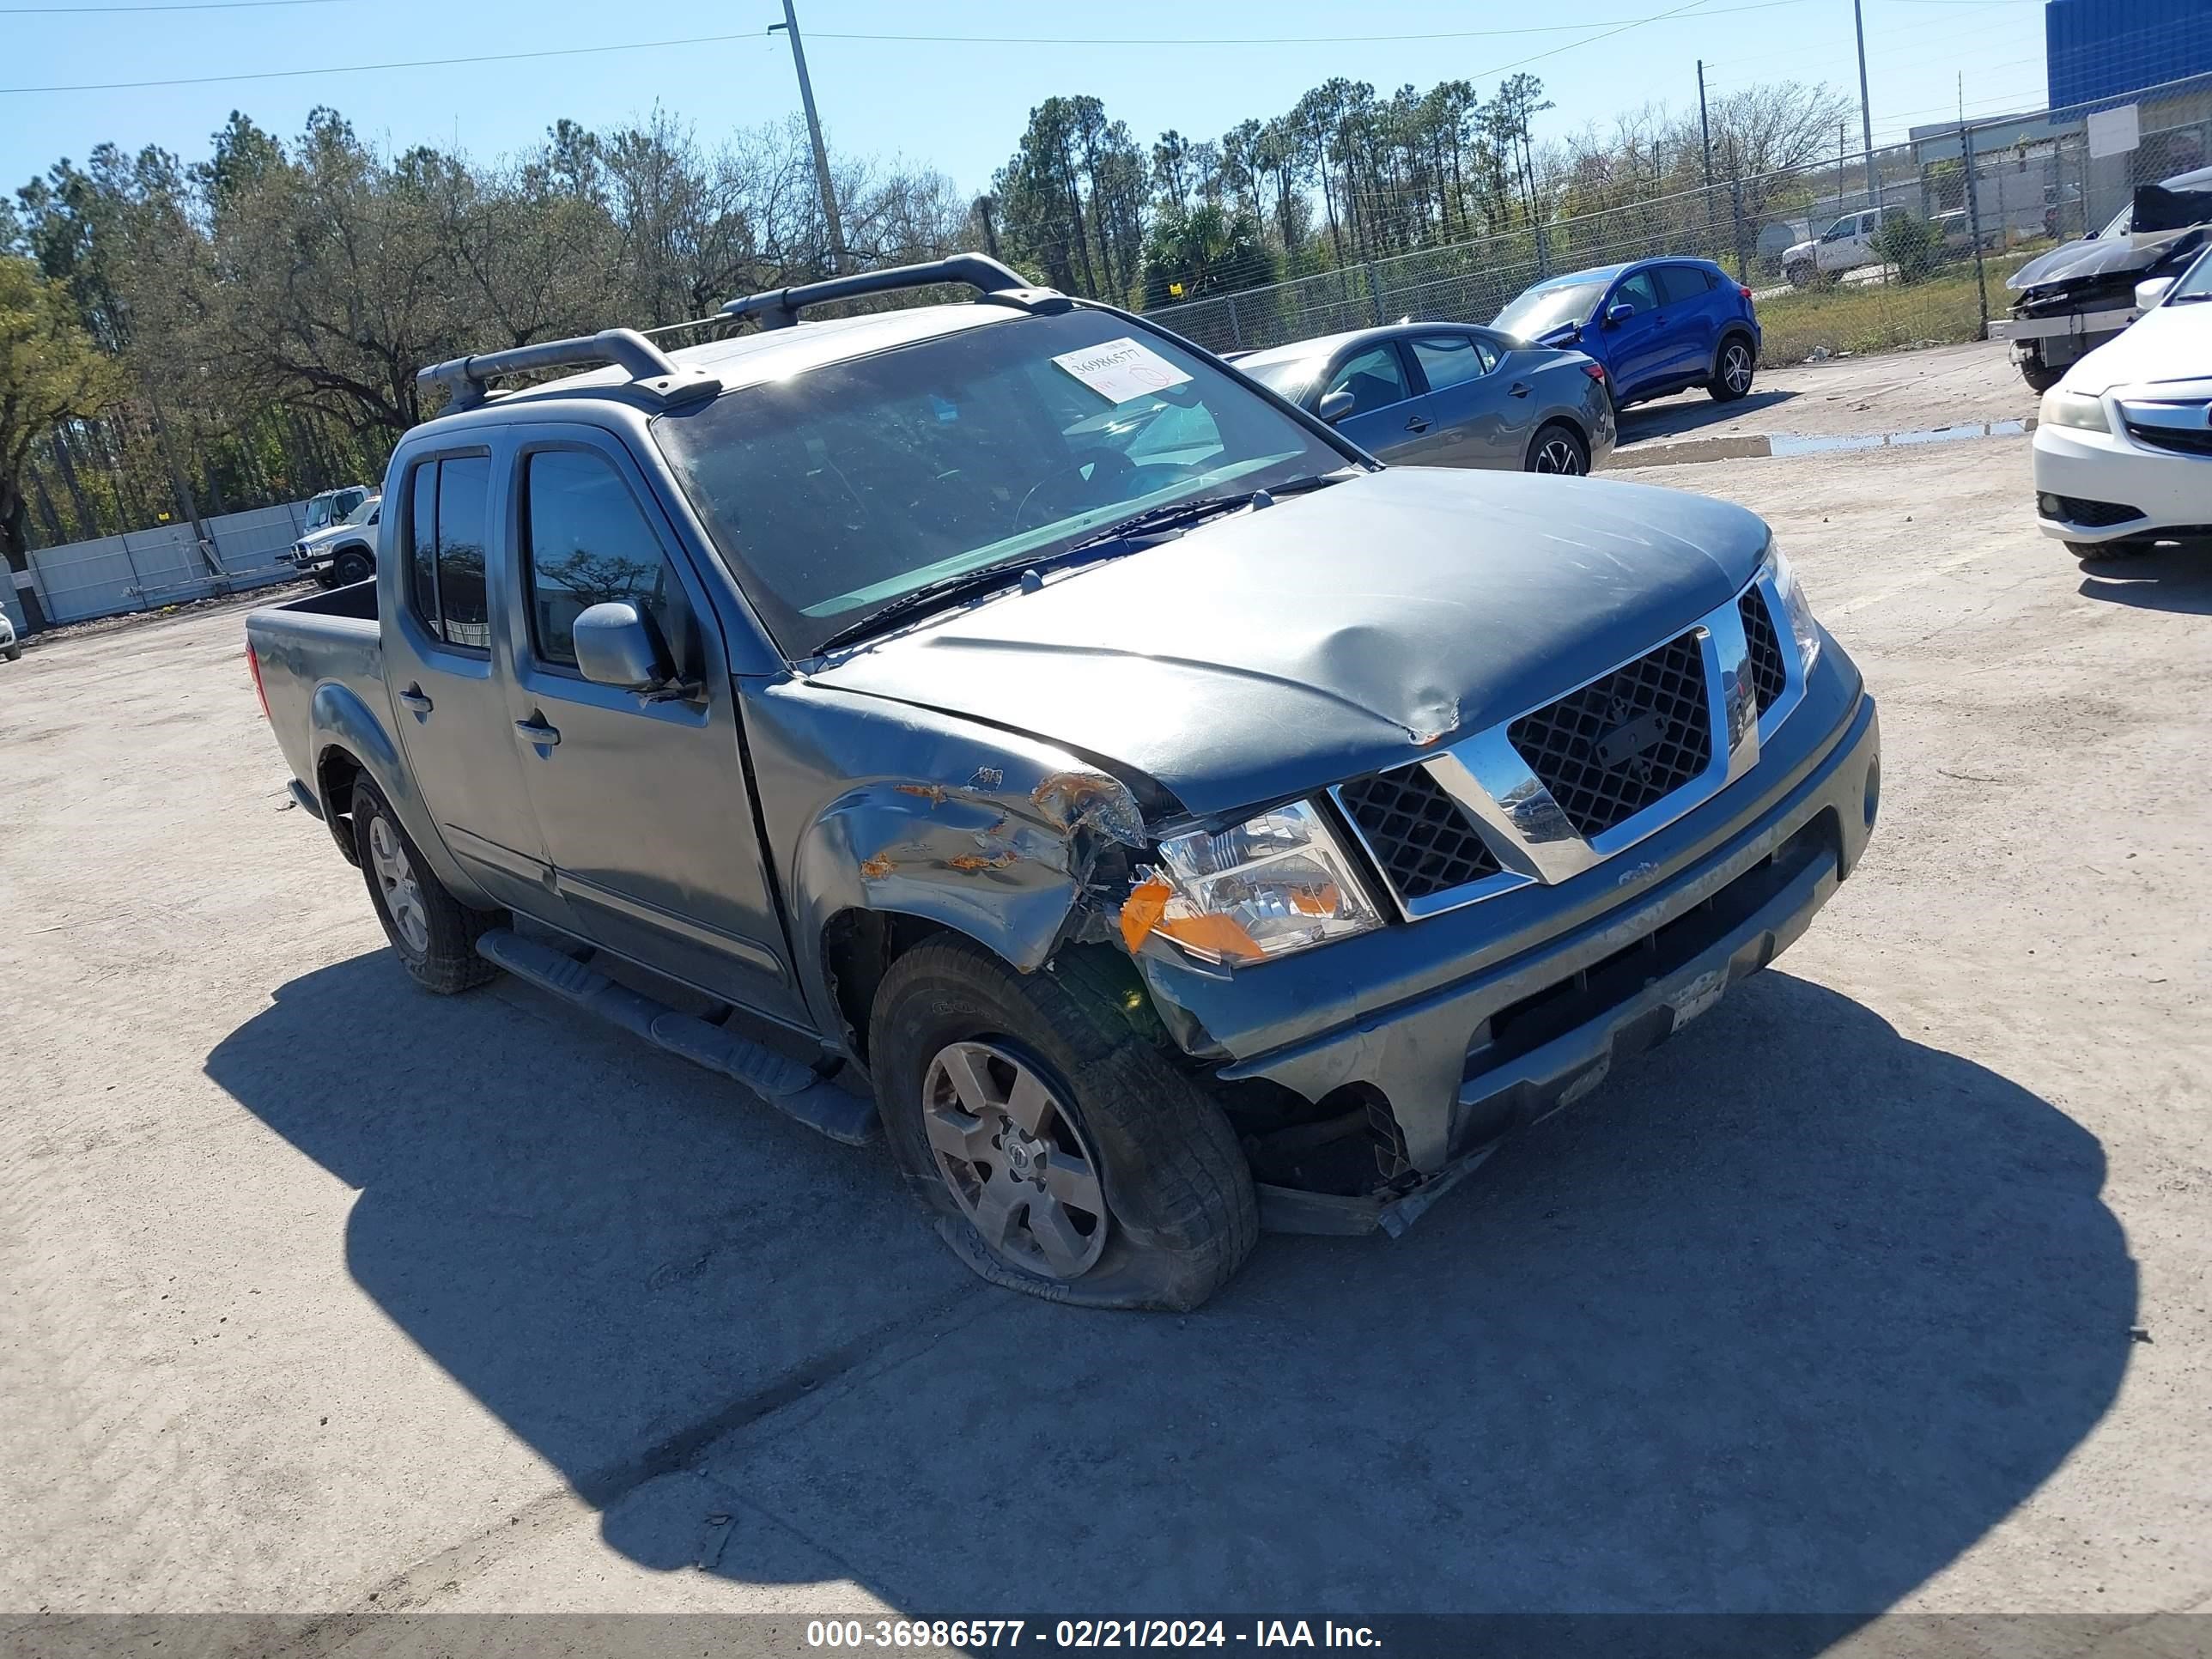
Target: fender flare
[[338, 718]]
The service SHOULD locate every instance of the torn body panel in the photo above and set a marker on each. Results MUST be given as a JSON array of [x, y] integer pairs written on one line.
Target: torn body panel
[[873, 806]]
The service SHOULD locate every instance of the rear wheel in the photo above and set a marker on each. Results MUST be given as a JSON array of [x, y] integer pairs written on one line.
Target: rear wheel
[[2038, 377], [1064, 1155], [1558, 447], [350, 567], [1733, 371], [435, 933]]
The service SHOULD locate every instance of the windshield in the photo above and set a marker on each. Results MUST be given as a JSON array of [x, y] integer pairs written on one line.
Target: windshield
[[2120, 222], [839, 489], [2195, 284], [1288, 377], [318, 511], [1541, 310]]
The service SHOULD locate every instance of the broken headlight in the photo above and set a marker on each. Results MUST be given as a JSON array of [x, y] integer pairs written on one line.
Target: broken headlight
[[1795, 605], [1274, 883]]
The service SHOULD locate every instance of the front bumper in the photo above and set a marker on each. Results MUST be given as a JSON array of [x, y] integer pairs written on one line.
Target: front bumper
[[1467, 1062], [2170, 492]]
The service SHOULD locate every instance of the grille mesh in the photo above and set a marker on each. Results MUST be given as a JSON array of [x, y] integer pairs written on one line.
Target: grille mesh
[[1586, 749], [1425, 842], [1768, 675], [2181, 441]]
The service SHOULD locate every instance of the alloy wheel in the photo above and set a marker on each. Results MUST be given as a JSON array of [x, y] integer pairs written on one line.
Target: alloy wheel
[[1014, 1160], [1559, 454], [1737, 369], [395, 877]]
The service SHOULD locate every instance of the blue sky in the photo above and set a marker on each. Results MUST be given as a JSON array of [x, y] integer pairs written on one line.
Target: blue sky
[[955, 106]]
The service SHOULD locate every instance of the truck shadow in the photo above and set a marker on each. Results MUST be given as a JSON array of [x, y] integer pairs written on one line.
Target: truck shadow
[[1784, 1319]]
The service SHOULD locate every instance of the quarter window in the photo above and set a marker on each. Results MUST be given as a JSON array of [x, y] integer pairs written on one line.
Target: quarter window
[[1375, 378], [447, 510], [588, 543], [1450, 360]]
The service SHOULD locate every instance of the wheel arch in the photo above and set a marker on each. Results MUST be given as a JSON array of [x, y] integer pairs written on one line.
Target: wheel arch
[[350, 744], [1736, 330]]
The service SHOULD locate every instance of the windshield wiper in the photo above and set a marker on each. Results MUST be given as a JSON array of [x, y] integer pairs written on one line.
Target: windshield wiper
[[1168, 516], [1197, 509]]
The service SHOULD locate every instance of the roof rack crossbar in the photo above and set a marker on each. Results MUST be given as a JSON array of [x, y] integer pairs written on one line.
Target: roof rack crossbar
[[779, 307], [651, 369]]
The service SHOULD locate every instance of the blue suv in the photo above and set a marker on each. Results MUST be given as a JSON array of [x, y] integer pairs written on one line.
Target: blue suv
[[1655, 326]]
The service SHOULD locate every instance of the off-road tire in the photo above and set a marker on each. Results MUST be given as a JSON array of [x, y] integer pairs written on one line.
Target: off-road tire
[[351, 566], [449, 962], [1182, 1215]]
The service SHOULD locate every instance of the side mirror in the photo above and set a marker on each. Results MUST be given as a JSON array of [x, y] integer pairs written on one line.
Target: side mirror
[[1615, 315], [1335, 406], [616, 646], [2150, 292]]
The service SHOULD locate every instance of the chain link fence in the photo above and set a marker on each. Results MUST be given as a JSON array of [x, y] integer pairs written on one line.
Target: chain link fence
[[1856, 252]]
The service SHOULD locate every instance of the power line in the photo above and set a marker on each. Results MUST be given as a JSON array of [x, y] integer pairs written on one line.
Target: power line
[[185, 5], [1610, 30]]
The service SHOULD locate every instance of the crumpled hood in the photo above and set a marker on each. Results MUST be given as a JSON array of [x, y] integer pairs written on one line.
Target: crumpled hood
[[1271, 653], [2071, 263]]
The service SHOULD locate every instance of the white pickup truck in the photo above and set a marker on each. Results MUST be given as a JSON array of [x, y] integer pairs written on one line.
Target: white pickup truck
[[1850, 243]]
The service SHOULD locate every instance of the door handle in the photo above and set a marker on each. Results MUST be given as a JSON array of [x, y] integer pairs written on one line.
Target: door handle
[[536, 730], [1417, 423], [414, 699], [1520, 389]]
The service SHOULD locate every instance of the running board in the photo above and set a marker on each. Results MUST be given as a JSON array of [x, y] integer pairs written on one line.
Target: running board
[[788, 1084]]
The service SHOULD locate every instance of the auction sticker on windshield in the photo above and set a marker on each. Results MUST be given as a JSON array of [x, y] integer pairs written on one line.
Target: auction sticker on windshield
[[1122, 369]]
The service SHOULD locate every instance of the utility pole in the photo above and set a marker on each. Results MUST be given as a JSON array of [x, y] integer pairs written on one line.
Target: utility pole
[[1705, 129], [790, 25], [1866, 110]]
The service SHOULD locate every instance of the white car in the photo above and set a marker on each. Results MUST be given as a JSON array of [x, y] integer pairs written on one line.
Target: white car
[[10, 647], [2123, 442]]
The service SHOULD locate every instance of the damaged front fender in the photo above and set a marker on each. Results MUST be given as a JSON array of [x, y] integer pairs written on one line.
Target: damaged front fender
[[880, 806]]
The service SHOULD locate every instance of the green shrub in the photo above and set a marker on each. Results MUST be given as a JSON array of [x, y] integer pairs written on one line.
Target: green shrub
[[1910, 243]]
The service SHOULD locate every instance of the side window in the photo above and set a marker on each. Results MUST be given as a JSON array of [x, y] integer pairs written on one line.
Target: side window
[[447, 510], [587, 543], [1636, 291], [1450, 360], [463, 489], [1713, 283], [1681, 284], [1375, 380], [422, 542]]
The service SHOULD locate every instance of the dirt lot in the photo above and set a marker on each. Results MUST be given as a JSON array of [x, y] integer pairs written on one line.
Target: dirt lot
[[1883, 1288]]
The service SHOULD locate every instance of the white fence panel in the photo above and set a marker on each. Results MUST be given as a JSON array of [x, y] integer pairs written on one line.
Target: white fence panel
[[251, 542], [146, 570]]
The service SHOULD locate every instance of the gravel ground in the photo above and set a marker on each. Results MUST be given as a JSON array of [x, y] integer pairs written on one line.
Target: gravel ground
[[1883, 1288]]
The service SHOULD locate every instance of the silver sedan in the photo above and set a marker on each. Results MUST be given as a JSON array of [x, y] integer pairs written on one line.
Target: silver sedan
[[1448, 394]]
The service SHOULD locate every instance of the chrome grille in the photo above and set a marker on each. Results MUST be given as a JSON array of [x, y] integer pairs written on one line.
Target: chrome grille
[[1625, 741], [1769, 678], [1417, 832]]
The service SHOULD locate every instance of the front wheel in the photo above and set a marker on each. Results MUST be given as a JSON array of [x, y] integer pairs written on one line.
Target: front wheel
[[15, 651], [1063, 1153], [2039, 378], [1558, 448], [435, 933], [2131, 548], [1732, 374], [350, 567]]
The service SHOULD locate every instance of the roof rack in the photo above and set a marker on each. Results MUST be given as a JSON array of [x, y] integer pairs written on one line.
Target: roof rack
[[779, 307], [652, 374]]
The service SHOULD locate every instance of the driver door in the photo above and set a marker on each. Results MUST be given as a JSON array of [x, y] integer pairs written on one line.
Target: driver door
[[1388, 420], [1635, 346], [642, 803]]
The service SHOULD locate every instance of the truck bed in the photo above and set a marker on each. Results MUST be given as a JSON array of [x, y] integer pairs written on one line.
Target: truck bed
[[304, 644]]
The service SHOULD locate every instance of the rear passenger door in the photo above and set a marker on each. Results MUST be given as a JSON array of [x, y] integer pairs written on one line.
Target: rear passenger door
[[1387, 418], [1482, 419], [643, 804], [448, 703], [1688, 305]]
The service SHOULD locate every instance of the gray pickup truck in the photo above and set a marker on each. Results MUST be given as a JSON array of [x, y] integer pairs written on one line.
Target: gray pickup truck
[[1004, 728]]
